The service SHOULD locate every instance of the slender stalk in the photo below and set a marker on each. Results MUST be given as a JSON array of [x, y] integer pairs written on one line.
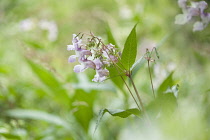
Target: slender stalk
[[130, 92], [151, 79], [137, 94]]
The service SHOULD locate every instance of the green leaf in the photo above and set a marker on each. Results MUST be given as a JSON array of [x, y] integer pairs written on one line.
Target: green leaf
[[37, 115], [167, 83], [10, 136], [120, 113], [174, 89], [110, 37], [114, 74], [117, 112], [115, 77], [164, 104], [49, 80], [34, 44], [137, 65], [130, 50], [82, 103]]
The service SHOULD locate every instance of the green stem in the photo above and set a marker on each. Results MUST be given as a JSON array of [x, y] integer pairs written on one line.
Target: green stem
[[137, 94], [151, 78], [130, 92]]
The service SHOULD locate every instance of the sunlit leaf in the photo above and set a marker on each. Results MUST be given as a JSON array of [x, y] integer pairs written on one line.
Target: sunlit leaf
[[130, 50], [37, 115], [10, 136]]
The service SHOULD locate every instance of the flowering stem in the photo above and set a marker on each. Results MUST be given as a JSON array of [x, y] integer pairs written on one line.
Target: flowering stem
[[150, 78], [137, 94]]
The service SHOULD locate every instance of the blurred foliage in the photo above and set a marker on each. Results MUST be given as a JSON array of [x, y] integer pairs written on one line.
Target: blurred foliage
[[41, 98]]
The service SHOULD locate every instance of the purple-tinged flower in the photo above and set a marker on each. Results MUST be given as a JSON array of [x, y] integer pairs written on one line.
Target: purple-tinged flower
[[195, 9], [182, 3], [198, 26], [84, 65], [79, 68], [70, 47], [72, 58], [100, 75], [94, 54], [98, 63]]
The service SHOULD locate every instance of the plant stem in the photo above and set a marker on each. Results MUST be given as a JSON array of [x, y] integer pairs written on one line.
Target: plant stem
[[137, 94], [151, 79], [130, 92]]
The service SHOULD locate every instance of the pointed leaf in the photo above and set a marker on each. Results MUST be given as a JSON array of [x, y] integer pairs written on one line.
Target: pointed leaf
[[110, 37], [121, 113], [167, 83], [117, 112], [130, 50], [10, 136], [164, 104]]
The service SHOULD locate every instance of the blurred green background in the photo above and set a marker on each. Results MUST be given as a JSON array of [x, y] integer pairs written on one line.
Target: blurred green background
[[41, 98]]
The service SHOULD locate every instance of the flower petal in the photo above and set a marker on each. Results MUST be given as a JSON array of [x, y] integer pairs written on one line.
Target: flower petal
[[89, 64], [103, 72], [198, 26], [181, 19], [79, 68], [70, 47], [72, 58]]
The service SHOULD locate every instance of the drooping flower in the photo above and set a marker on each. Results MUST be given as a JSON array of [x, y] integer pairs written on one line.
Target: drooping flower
[[94, 54]]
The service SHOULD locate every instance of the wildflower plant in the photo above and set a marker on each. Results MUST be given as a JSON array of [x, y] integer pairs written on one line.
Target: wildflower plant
[[107, 60], [109, 63]]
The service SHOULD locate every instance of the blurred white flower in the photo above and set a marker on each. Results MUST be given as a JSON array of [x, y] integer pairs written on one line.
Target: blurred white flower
[[51, 27], [27, 24], [125, 12]]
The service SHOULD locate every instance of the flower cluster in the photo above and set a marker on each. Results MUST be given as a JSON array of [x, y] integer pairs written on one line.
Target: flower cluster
[[93, 54], [193, 9]]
